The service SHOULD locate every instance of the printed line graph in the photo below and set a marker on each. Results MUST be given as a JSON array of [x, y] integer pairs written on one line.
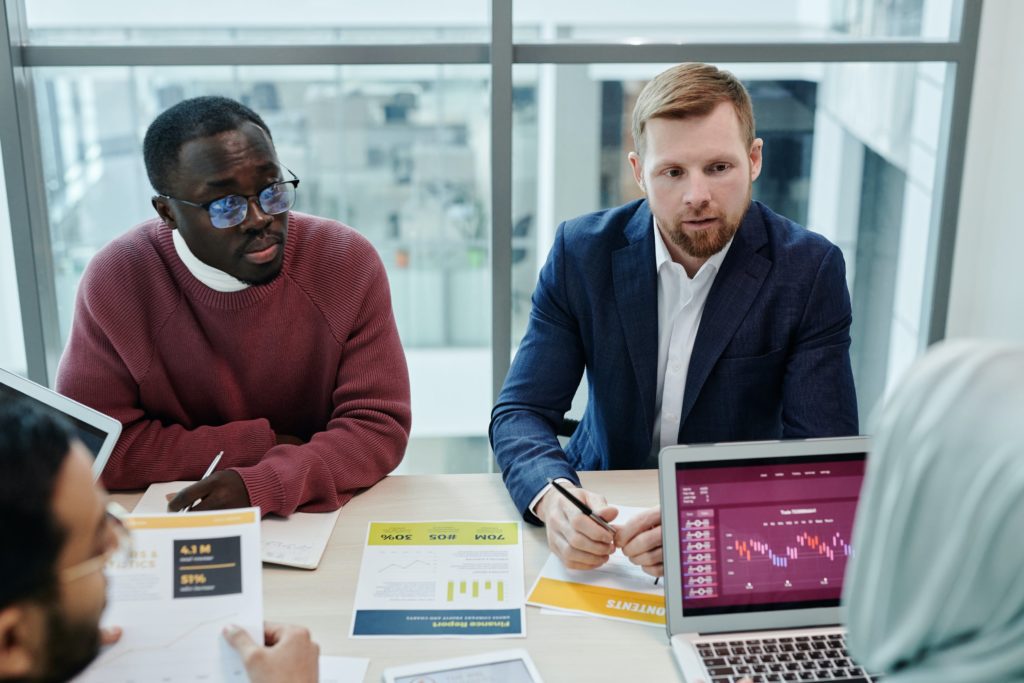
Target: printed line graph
[[117, 653], [171, 652], [407, 566]]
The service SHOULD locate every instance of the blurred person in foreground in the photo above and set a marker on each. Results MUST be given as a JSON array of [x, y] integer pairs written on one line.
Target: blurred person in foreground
[[935, 590], [57, 534]]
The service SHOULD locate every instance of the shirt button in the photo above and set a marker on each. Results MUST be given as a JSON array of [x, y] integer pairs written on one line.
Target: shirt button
[[668, 417], [675, 367]]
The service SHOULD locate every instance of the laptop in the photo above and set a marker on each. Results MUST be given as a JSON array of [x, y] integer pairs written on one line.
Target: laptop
[[756, 538], [97, 431]]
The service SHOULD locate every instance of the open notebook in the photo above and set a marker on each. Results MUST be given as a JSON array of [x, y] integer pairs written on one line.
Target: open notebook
[[296, 541]]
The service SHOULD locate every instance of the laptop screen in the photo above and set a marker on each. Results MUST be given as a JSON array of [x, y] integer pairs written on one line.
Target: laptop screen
[[767, 533]]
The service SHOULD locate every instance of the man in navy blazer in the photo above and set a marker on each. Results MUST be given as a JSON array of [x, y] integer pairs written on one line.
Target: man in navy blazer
[[697, 314]]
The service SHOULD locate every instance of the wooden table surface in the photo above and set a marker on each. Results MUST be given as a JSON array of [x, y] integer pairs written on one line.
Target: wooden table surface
[[564, 648]]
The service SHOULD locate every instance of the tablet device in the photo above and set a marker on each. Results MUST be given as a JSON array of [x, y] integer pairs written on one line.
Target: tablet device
[[97, 431], [505, 666]]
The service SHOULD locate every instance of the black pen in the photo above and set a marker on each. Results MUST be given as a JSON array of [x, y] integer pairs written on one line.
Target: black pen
[[583, 507]]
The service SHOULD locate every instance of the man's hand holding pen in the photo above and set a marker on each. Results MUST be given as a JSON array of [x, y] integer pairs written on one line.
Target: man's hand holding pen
[[219, 491], [215, 491], [579, 541], [640, 540], [583, 542]]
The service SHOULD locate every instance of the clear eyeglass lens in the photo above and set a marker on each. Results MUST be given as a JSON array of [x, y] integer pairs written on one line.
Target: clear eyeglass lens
[[122, 542], [228, 212], [121, 556], [277, 198]]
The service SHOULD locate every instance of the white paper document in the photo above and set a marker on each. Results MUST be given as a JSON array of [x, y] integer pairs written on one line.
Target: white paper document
[[343, 669], [295, 541], [618, 589], [441, 579], [187, 577]]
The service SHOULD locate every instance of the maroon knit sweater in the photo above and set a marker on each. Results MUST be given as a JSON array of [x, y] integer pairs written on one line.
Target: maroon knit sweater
[[190, 371]]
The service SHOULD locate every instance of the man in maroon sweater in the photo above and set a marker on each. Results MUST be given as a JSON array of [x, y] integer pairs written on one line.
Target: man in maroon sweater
[[229, 324]]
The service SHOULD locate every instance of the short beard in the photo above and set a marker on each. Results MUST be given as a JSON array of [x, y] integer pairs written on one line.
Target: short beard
[[69, 647], [706, 243]]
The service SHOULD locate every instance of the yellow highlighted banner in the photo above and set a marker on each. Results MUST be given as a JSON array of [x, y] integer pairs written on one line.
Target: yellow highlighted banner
[[192, 520], [443, 533], [606, 602]]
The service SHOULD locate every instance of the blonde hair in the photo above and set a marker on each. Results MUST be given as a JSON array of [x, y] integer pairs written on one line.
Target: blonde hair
[[692, 89]]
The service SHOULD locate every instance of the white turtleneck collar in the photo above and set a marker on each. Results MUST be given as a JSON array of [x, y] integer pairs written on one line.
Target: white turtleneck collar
[[216, 280]]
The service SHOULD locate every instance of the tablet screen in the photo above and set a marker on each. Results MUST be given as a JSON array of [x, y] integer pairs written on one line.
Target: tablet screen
[[93, 437], [511, 671]]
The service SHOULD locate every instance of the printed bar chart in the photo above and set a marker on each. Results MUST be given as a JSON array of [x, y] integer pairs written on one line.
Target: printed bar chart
[[468, 590]]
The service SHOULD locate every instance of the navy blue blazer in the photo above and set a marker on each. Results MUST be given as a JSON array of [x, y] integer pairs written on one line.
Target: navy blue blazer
[[771, 357]]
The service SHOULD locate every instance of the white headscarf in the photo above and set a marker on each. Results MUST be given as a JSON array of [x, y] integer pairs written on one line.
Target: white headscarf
[[935, 591]]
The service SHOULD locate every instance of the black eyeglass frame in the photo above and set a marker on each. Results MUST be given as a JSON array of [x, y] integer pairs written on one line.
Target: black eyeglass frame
[[294, 182]]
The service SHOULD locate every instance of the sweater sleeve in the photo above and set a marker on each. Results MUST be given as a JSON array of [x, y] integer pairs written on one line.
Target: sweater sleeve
[[106, 357], [367, 433]]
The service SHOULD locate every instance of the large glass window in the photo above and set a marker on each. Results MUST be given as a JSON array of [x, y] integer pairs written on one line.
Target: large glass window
[[402, 151], [849, 151], [398, 152]]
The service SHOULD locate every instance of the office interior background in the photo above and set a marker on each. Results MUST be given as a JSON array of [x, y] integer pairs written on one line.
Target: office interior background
[[456, 135]]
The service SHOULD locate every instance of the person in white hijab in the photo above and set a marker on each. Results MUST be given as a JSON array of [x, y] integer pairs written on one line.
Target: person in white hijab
[[935, 591]]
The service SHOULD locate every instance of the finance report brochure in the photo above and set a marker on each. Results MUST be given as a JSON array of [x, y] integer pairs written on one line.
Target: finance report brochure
[[441, 579], [188, 576]]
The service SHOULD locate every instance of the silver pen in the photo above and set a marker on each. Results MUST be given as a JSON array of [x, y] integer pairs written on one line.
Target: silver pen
[[209, 471]]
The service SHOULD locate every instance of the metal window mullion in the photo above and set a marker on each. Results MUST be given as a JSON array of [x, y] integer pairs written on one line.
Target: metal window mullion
[[622, 53], [501, 193], [949, 172], [30, 234], [477, 53], [221, 55]]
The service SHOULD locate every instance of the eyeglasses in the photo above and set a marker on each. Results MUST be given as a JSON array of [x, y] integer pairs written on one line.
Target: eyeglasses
[[227, 212], [119, 547]]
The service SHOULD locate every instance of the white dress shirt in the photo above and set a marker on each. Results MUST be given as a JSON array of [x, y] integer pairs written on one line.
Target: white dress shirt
[[680, 306]]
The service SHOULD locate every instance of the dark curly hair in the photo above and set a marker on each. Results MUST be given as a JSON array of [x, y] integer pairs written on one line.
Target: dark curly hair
[[187, 120]]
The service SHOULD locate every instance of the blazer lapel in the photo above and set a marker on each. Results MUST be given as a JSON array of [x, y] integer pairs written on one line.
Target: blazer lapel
[[636, 296], [736, 285]]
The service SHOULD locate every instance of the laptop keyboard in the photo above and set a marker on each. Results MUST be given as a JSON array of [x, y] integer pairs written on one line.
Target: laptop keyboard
[[792, 658]]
